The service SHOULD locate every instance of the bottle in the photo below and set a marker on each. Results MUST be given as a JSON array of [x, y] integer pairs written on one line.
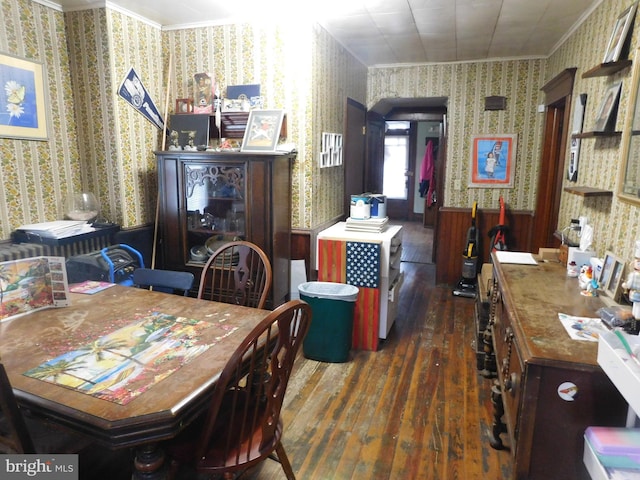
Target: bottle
[[572, 269]]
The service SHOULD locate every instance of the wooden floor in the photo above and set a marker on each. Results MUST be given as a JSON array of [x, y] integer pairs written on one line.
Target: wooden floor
[[415, 409]]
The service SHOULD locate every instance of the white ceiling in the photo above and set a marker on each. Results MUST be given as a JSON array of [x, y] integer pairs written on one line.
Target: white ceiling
[[386, 32]]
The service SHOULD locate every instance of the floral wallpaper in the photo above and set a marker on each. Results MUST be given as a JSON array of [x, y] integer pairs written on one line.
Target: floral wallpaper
[[616, 224], [100, 143], [466, 85], [36, 175]]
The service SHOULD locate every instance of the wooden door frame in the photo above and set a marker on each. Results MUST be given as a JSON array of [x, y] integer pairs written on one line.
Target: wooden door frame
[[558, 94], [354, 153]]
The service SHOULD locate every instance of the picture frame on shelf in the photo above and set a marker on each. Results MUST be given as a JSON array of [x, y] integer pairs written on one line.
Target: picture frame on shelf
[[24, 114], [607, 269], [607, 112], [263, 131], [493, 161], [614, 287], [184, 105], [619, 34]]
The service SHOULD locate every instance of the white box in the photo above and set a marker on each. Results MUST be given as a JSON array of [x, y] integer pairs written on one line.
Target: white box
[[619, 367], [581, 258]]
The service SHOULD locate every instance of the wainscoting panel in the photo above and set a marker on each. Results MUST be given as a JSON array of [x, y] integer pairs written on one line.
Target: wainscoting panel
[[453, 228]]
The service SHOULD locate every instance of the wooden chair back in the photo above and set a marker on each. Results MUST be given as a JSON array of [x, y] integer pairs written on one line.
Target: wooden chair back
[[168, 281], [243, 424], [239, 272]]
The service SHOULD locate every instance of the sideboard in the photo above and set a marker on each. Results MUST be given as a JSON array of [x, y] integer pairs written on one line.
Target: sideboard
[[550, 387]]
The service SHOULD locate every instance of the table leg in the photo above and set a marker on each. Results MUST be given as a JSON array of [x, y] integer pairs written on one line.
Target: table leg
[[149, 463]]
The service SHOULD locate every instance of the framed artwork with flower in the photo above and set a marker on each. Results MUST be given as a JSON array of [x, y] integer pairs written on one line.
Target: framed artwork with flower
[[22, 100]]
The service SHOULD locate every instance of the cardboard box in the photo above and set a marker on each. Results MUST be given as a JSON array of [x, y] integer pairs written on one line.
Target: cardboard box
[[552, 254]]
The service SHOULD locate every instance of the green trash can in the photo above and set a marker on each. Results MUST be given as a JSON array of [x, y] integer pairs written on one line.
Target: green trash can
[[332, 306]]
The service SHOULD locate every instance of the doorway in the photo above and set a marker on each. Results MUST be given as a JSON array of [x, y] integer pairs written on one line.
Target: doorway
[[397, 170]]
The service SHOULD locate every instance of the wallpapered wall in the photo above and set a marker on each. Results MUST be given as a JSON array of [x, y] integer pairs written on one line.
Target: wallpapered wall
[[116, 142], [616, 223], [34, 175], [310, 87], [103, 145], [466, 85]]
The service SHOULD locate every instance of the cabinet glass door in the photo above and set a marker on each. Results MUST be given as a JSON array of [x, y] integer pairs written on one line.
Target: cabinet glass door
[[215, 203]]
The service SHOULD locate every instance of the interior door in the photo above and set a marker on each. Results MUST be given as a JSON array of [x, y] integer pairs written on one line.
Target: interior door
[[354, 152], [558, 93]]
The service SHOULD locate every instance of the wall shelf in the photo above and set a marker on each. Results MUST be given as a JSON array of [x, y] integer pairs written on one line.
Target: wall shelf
[[589, 191], [605, 69], [596, 134]]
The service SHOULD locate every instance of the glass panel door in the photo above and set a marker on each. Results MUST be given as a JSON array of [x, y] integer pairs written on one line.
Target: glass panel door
[[215, 203]]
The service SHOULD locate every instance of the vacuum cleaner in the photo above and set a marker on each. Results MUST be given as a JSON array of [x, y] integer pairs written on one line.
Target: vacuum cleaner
[[468, 284], [498, 233]]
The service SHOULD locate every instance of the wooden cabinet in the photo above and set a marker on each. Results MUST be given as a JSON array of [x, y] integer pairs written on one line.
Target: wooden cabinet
[[207, 198], [550, 388]]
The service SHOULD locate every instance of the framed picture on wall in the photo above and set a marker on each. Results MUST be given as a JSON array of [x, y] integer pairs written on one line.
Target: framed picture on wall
[[24, 111], [619, 34], [493, 159]]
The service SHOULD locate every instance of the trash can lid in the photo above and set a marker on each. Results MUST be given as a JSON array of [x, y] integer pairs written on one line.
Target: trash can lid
[[335, 291]]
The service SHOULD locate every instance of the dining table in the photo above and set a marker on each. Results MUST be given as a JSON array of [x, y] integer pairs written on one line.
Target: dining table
[[145, 414]]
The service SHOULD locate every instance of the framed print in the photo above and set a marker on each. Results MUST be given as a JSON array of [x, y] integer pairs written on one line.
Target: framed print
[[619, 34], [606, 118], [493, 161], [23, 113], [607, 268], [614, 287], [263, 131]]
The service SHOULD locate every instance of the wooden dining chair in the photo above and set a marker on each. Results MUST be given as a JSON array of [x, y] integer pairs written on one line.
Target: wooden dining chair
[[242, 426], [21, 433], [239, 272], [168, 281]]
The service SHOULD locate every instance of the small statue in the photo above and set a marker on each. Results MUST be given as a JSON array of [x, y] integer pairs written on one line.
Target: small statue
[[632, 283], [173, 136], [191, 142]]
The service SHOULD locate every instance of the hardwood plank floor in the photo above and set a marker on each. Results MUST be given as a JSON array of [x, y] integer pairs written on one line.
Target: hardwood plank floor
[[415, 409]]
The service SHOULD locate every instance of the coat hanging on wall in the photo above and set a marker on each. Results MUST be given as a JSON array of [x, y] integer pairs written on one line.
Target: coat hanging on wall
[[427, 177]]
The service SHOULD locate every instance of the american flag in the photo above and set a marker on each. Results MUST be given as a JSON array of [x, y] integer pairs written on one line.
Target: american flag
[[358, 264]]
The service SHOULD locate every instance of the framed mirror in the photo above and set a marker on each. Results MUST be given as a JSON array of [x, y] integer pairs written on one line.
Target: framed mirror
[[629, 181]]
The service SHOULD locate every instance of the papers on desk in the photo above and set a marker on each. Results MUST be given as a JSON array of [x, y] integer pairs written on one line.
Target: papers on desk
[[57, 229], [582, 328], [521, 258]]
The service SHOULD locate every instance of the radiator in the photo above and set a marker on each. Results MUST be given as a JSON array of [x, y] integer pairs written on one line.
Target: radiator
[[16, 251]]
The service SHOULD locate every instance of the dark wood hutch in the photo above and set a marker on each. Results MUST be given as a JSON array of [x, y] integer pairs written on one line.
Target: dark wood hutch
[[209, 197]]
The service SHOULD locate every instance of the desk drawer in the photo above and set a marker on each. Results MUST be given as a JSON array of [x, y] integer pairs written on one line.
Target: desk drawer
[[510, 368]]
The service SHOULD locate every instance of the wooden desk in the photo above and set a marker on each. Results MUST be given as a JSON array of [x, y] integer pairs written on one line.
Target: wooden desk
[[550, 387], [157, 414]]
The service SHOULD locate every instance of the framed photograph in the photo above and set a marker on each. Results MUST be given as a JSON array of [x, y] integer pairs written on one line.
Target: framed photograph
[[493, 159], [263, 131], [607, 268], [184, 105], [614, 287], [23, 109], [619, 34], [606, 119]]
